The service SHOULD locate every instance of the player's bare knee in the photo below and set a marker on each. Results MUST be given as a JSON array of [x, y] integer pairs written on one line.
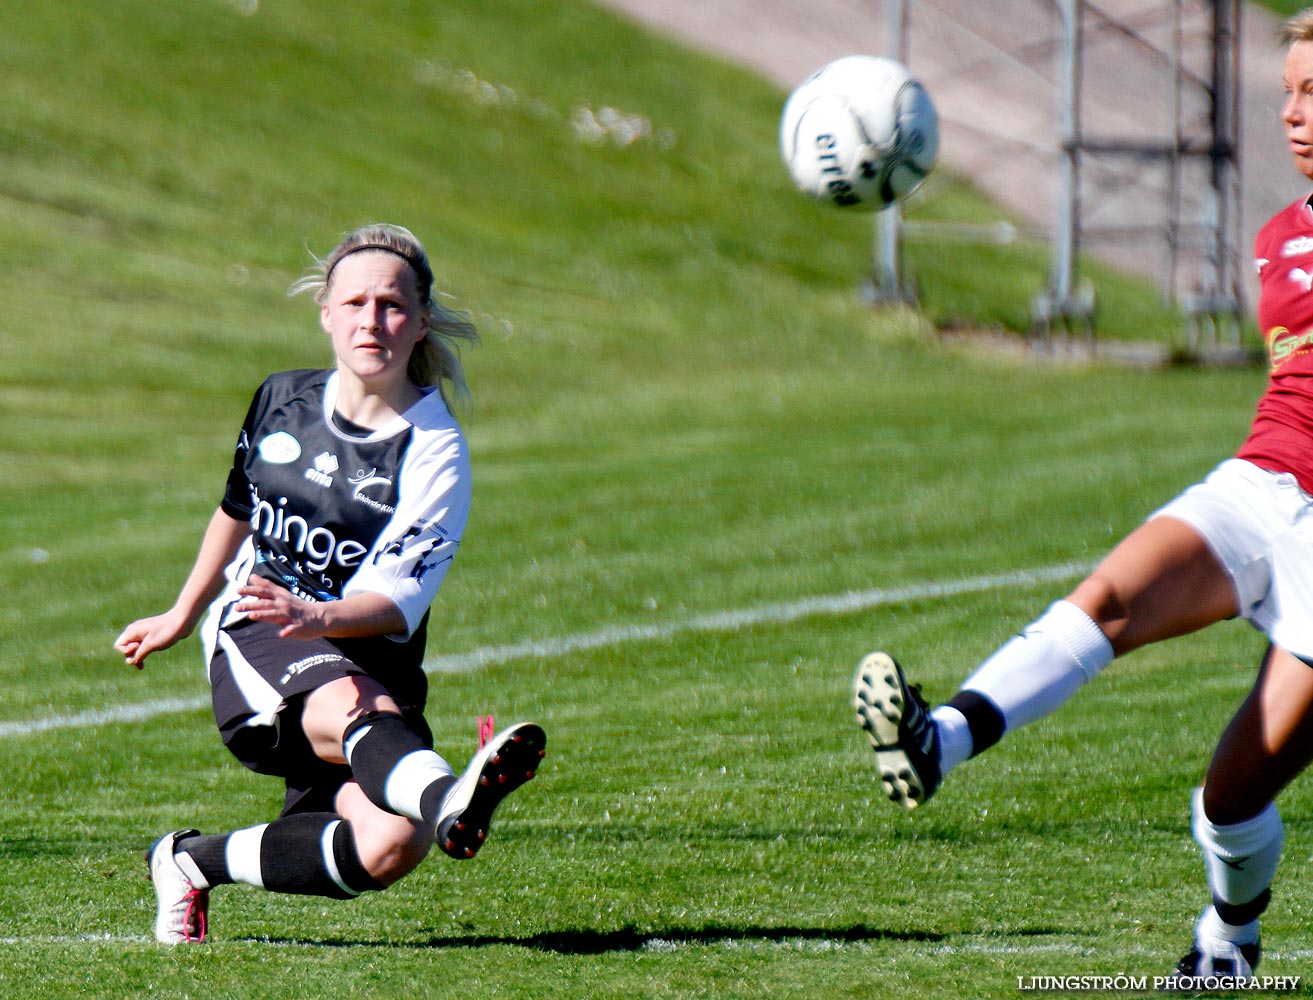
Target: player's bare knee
[[1100, 598], [330, 709], [393, 848]]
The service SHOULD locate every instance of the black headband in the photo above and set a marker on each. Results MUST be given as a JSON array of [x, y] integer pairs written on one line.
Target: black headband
[[410, 259]]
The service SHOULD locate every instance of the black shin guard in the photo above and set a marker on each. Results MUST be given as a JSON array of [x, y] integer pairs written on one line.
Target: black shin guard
[[209, 854], [983, 719], [374, 743], [1238, 914], [313, 854]]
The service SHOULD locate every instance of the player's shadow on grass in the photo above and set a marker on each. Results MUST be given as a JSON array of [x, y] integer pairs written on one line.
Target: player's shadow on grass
[[594, 942]]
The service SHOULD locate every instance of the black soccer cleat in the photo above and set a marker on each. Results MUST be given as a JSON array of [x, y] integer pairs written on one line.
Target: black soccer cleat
[[1236, 962], [896, 719], [1212, 956], [508, 760]]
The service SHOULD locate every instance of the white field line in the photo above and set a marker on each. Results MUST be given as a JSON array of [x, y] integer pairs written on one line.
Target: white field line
[[722, 621], [66, 939]]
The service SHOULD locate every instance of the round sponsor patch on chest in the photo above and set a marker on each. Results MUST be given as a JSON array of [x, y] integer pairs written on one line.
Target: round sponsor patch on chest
[[279, 448]]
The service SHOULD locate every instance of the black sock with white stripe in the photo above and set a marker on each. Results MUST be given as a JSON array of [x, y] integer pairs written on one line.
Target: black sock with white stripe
[[313, 854], [209, 854], [307, 854], [396, 768]]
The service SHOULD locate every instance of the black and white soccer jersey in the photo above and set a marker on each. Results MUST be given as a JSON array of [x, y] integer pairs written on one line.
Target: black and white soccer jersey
[[336, 509]]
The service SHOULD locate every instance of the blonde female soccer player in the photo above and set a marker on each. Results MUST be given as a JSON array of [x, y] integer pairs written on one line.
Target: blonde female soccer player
[[344, 507]]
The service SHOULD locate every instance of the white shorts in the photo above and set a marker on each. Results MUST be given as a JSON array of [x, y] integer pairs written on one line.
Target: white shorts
[[1260, 526]]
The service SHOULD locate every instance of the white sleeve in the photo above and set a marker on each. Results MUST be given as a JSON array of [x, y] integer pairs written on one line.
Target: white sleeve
[[413, 552]]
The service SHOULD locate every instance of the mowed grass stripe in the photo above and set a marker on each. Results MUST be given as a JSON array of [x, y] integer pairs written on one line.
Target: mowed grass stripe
[[969, 945], [723, 621]]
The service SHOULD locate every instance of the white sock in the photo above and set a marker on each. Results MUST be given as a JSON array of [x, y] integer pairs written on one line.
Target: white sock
[[1039, 670], [242, 853], [411, 778], [1211, 927], [392, 767], [1240, 858], [954, 737]]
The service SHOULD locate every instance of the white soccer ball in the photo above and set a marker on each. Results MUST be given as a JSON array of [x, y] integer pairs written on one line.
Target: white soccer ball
[[860, 132]]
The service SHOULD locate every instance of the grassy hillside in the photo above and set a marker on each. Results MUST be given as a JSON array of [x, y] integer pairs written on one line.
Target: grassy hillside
[[682, 410], [1284, 8], [166, 172]]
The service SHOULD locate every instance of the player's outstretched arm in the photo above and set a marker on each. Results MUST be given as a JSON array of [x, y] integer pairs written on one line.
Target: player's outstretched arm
[[223, 537], [361, 614]]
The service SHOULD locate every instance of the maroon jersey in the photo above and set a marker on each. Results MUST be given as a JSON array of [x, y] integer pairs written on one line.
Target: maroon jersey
[[1281, 437]]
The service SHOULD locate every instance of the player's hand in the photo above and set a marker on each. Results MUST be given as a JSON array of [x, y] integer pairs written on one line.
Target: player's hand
[[147, 635], [267, 602]]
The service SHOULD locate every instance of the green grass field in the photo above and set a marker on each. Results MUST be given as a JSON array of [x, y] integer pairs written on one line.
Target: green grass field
[[707, 480]]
